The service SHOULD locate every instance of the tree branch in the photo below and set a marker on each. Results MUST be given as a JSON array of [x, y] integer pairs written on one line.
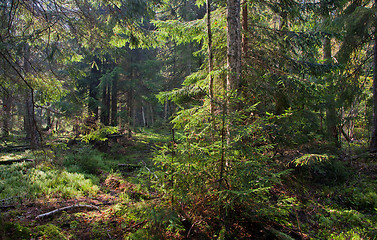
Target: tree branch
[[59, 210]]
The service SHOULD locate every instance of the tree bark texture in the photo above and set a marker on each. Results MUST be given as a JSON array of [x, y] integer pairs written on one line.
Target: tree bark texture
[[373, 140], [233, 60], [233, 64], [233, 45], [244, 29]]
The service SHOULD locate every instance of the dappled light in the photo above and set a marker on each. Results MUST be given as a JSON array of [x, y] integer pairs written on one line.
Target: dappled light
[[188, 119]]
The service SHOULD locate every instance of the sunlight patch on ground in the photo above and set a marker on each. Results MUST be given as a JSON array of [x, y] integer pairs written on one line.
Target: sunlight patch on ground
[[12, 156]]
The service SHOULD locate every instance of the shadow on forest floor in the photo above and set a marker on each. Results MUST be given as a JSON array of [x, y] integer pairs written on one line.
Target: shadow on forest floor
[[335, 196]]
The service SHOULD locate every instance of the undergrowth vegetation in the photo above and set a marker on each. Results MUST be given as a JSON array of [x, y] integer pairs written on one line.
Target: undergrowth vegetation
[[26, 181], [176, 192]]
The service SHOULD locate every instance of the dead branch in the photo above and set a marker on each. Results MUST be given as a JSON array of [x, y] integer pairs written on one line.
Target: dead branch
[[8, 162], [59, 210]]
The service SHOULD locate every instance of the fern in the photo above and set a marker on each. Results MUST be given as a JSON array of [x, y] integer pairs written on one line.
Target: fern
[[99, 134], [310, 159]]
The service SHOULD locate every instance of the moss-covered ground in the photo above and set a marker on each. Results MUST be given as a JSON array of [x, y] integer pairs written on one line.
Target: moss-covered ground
[[333, 199]]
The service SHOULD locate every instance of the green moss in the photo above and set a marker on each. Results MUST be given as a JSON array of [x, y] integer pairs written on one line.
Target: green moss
[[51, 232], [9, 231]]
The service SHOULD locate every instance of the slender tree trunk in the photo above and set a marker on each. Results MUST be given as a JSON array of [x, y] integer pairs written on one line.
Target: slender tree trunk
[[30, 121], [107, 107], [244, 30], [233, 60], [143, 116], [373, 140], [105, 104], [151, 114], [7, 115], [48, 119], [134, 112], [210, 58], [129, 110], [93, 91], [331, 116], [26, 116], [166, 109], [114, 102]]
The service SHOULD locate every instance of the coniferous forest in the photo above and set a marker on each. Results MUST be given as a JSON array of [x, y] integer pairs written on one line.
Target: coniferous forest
[[188, 119]]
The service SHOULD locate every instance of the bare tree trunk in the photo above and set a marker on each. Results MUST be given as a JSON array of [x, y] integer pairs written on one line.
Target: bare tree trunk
[[233, 59], [134, 112], [7, 115], [93, 91], [143, 116], [233, 47], [331, 116], [105, 109], [151, 114], [373, 140], [210, 58], [244, 29], [108, 104], [114, 102]]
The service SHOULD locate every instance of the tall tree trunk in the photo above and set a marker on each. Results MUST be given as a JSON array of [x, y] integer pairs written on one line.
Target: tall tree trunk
[[105, 110], [151, 114], [244, 30], [29, 120], [130, 110], [104, 104], [7, 116], [114, 102], [210, 58], [331, 116], [93, 90], [233, 47], [373, 140], [232, 85], [233, 59], [143, 116]]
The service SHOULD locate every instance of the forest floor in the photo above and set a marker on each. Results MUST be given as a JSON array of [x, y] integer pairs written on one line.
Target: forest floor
[[95, 195], [106, 205]]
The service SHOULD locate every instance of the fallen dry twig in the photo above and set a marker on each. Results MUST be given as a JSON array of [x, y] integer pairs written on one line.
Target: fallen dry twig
[[59, 210]]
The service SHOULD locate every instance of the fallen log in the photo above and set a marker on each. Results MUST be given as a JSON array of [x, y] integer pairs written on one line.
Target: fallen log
[[59, 210], [8, 162]]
